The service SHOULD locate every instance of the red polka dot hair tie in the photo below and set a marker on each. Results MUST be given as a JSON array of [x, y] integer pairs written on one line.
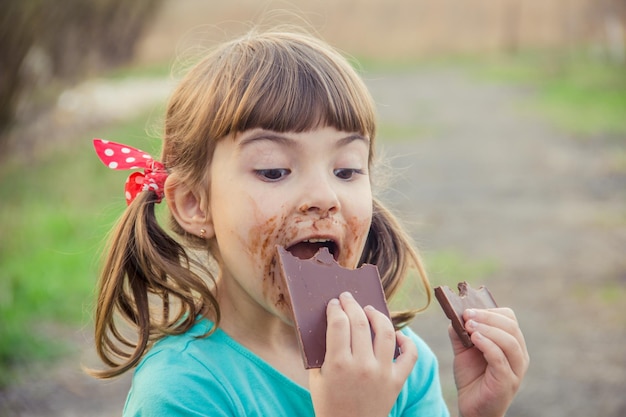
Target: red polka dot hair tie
[[118, 156]]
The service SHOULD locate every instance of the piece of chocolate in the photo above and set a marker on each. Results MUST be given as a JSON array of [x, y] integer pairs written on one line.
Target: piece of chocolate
[[312, 283], [454, 305]]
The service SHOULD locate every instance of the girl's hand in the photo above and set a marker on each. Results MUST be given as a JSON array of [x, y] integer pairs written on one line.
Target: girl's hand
[[489, 374], [359, 376]]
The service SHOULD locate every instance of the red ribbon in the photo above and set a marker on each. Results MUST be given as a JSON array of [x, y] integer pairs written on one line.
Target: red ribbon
[[117, 156]]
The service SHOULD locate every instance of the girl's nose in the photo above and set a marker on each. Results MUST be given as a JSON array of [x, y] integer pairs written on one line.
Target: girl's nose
[[319, 197]]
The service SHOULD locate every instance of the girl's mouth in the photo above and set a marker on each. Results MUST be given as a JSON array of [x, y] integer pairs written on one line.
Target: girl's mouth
[[307, 248]]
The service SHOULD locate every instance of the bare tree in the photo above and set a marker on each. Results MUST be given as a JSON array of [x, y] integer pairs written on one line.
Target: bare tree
[[76, 36]]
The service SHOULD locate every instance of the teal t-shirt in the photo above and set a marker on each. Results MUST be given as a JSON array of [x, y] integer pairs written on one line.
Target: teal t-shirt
[[216, 376]]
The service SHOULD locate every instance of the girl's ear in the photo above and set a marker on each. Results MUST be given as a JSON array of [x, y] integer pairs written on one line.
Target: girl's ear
[[189, 208]]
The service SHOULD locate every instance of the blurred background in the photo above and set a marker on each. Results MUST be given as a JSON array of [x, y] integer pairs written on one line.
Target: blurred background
[[504, 124]]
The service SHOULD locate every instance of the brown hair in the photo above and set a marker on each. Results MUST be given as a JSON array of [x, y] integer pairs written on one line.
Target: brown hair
[[281, 81]]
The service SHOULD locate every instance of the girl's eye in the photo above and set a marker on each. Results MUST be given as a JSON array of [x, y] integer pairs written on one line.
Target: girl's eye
[[272, 174], [347, 173]]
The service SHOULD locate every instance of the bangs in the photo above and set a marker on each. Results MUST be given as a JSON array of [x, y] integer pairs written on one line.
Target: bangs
[[277, 81], [283, 82]]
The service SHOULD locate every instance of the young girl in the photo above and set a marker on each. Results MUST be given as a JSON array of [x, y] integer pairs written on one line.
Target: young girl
[[270, 141]]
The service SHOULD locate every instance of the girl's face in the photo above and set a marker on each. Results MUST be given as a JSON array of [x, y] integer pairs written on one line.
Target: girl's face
[[299, 190]]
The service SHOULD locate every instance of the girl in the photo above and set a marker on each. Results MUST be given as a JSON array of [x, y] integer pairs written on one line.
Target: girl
[[269, 141]]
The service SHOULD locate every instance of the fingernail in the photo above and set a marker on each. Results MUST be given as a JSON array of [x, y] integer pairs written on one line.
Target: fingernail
[[347, 294], [471, 313], [470, 324], [333, 302], [368, 308]]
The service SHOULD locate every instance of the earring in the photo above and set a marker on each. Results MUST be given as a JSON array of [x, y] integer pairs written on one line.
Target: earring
[[202, 233]]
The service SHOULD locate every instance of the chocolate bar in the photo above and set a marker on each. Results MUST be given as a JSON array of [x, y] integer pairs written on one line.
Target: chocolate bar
[[454, 305], [312, 283]]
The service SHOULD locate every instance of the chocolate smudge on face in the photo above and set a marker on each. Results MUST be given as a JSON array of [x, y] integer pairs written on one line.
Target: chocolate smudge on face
[[311, 283], [281, 229], [358, 230], [260, 245], [281, 302]]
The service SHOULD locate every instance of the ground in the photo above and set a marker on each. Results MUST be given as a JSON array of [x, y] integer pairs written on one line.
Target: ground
[[493, 185], [497, 183]]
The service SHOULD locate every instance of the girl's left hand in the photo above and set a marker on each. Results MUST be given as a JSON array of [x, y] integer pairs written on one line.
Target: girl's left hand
[[489, 374]]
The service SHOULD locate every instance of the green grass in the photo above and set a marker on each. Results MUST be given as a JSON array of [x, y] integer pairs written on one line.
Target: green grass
[[53, 220], [155, 70], [578, 92], [446, 267], [583, 95]]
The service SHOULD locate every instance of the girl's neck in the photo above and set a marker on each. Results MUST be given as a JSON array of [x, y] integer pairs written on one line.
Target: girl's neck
[[266, 335], [247, 322]]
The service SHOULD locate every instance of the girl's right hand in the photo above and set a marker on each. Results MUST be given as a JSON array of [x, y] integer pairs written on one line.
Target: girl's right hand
[[359, 376]]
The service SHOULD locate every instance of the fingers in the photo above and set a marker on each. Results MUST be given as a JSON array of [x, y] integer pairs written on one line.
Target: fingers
[[496, 333], [360, 332], [337, 331], [408, 355], [364, 333], [384, 333]]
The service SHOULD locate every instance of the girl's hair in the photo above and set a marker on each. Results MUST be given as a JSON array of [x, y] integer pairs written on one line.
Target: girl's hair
[[281, 81]]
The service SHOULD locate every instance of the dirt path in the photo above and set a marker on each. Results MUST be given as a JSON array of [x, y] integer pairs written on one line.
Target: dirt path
[[489, 183], [497, 184]]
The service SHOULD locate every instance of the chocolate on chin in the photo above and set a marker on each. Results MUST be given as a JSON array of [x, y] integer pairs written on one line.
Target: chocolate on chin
[[312, 283], [454, 305]]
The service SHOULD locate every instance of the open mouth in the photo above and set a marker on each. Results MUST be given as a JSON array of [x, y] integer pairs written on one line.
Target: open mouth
[[309, 247]]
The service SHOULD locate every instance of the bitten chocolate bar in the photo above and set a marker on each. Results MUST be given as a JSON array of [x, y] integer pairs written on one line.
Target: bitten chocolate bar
[[312, 283], [454, 305]]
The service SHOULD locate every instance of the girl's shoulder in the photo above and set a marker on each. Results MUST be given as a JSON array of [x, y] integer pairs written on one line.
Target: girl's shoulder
[[199, 353], [174, 375], [423, 349], [421, 393], [193, 371]]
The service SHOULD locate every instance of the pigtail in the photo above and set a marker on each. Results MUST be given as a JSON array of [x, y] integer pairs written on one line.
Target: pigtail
[[136, 285], [390, 248]]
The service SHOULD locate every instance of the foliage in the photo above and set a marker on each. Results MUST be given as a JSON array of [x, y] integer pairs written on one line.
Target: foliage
[[53, 222]]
